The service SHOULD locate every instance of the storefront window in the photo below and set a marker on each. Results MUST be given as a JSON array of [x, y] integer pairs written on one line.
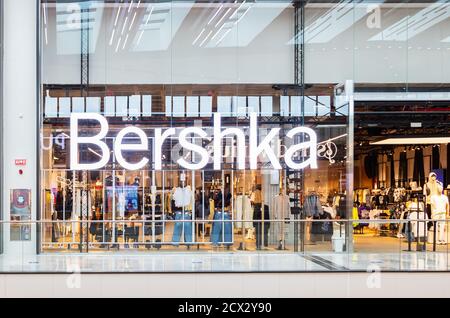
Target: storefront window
[[178, 75]]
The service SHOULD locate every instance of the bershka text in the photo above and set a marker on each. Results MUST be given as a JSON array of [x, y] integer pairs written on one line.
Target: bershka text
[[256, 147]]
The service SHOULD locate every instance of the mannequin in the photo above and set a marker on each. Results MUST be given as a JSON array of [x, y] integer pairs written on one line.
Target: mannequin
[[431, 188], [440, 210], [182, 197]]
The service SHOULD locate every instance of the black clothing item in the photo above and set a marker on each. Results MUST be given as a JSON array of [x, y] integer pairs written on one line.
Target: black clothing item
[[322, 227], [342, 208], [392, 185], [370, 165], [403, 169], [59, 201], [228, 199], [257, 213], [435, 162], [419, 171], [261, 228]]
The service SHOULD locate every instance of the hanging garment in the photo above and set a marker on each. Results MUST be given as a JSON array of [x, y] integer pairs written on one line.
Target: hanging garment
[[392, 173], [419, 170], [182, 228], [418, 230], [262, 228], [435, 158], [222, 229], [403, 169], [77, 212], [280, 207], [182, 197], [312, 206], [243, 211]]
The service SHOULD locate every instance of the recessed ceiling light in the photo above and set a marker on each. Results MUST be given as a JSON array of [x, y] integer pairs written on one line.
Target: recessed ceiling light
[[413, 141]]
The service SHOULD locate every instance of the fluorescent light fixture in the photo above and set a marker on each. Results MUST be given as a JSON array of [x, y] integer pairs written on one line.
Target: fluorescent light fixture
[[117, 16], [204, 40], [223, 17], [218, 31], [149, 15], [223, 37], [140, 37], [413, 141], [160, 25], [332, 139], [235, 12], [118, 44], [198, 37], [335, 21], [410, 26], [215, 15], [248, 24], [132, 21], [131, 4], [112, 37], [124, 25], [45, 15], [125, 43], [331, 126]]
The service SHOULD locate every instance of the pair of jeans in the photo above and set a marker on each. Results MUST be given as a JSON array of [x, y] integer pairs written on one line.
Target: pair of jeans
[[182, 228], [260, 226], [222, 231]]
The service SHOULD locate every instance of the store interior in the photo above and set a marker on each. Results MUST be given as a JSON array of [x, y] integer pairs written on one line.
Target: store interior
[[401, 171]]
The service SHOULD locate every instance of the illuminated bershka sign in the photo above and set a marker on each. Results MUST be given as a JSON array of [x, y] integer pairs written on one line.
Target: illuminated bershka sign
[[256, 147]]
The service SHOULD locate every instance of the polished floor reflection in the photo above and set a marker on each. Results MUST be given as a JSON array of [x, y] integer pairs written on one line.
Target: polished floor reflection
[[225, 262]]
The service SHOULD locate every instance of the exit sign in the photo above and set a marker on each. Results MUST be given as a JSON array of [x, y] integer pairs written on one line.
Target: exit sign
[[20, 162]]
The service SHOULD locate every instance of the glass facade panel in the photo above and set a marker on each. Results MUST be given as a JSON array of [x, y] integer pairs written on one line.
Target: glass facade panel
[[233, 125]]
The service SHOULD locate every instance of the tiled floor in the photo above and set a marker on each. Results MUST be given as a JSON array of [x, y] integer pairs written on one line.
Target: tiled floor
[[225, 262]]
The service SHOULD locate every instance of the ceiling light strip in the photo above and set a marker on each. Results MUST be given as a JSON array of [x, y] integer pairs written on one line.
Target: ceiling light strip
[[198, 37], [132, 22], [117, 16], [112, 37], [204, 40], [215, 15], [223, 17]]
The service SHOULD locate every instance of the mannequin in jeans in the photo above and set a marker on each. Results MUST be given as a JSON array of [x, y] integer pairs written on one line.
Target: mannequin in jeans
[[431, 188]]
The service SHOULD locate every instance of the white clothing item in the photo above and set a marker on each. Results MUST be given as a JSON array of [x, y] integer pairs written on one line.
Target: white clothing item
[[421, 229], [373, 215], [330, 210], [121, 203], [439, 204], [243, 211], [280, 206], [413, 207], [440, 231], [182, 197], [77, 203]]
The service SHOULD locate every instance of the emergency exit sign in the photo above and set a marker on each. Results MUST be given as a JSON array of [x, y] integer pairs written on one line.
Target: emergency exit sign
[[20, 162]]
